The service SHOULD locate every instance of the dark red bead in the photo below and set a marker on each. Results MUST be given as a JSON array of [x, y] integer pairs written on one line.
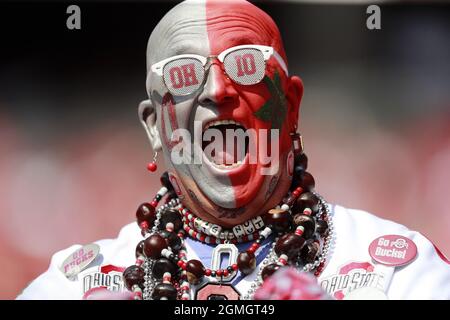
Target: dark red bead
[[280, 220], [163, 265], [269, 270], [140, 249], [153, 246], [173, 216], [195, 271], [219, 273], [301, 160], [172, 240], [246, 262], [164, 290], [290, 244], [310, 252], [165, 181], [322, 227], [307, 222], [134, 275], [145, 212], [306, 200], [307, 182]]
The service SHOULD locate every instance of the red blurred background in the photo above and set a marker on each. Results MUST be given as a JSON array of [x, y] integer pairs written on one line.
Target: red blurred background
[[375, 120]]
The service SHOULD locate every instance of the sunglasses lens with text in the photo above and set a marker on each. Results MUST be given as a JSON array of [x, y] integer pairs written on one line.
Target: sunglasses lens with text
[[183, 76]]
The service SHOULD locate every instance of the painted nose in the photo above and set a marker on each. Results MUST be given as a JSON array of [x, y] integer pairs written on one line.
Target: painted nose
[[218, 88]]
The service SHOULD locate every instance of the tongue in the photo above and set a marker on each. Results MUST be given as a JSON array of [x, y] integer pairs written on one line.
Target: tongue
[[227, 156]]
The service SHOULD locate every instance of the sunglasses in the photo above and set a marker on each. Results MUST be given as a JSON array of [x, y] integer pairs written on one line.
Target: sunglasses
[[246, 65]]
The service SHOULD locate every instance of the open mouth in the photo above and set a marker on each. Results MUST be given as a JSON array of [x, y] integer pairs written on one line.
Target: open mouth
[[225, 143]]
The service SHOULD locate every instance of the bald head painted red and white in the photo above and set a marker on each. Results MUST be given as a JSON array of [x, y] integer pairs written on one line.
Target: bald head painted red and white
[[194, 92]]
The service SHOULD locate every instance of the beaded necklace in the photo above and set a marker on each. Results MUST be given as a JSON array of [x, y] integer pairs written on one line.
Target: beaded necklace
[[301, 224]]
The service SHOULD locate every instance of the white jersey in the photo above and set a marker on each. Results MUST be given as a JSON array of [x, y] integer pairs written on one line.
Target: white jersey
[[349, 265]]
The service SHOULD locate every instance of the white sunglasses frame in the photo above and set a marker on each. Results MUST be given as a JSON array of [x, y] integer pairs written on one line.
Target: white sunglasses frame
[[266, 51]]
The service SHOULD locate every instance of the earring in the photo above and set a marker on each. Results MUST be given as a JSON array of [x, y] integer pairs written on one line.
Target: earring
[[297, 141], [152, 165]]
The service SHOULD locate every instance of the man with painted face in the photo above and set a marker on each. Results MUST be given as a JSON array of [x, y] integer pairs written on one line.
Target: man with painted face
[[237, 203]]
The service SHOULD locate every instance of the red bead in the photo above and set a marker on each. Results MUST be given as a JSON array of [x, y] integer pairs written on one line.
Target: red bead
[[297, 191], [152, 167], [251, 250], [225, 273], [202, 238], [180, 264], [154, 203], [143, 225], [208, 272], [235, 266], [219, 273]]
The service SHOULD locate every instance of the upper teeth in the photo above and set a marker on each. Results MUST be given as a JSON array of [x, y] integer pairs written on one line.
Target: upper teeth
[[219, 122]]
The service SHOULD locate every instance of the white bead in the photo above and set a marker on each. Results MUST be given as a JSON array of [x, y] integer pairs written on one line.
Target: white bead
[[248, 227], [238, 231], [165, 253], [258, 222], [285, 207], [162, 191], [215, 230]]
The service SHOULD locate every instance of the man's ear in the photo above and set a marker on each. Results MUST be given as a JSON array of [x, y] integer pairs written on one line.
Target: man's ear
[[294, 96], [147, 117]]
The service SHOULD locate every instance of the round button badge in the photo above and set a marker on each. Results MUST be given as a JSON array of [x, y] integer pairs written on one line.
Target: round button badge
[[79, 260], [393, 250]]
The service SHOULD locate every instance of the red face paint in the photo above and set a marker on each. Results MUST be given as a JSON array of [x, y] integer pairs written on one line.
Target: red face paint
[[238, 23], [169, 104]]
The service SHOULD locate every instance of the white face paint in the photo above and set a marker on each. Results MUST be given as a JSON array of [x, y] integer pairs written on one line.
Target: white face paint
[[181, 34]]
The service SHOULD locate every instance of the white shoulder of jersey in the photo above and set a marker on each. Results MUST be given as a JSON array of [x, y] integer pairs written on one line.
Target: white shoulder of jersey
[[351, 266], [53, 284]]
